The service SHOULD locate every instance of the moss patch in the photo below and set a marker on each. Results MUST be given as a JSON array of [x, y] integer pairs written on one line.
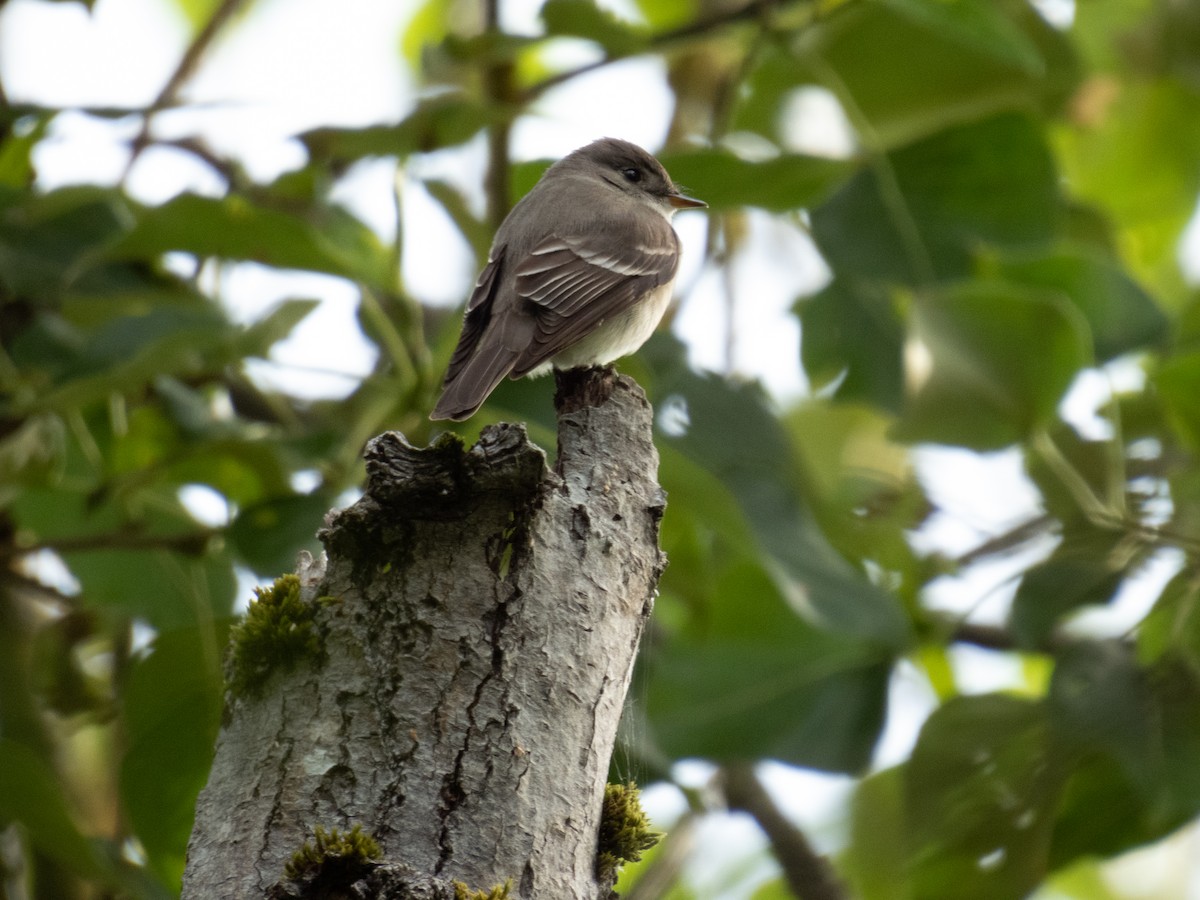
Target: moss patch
[[625, 831], [499, 892], [333, 858], [277, 633]]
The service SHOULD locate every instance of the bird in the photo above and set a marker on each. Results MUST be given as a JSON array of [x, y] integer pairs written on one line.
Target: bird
[[579, 274]]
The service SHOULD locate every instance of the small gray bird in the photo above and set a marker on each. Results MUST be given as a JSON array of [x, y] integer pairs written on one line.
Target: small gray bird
[[579, 274]]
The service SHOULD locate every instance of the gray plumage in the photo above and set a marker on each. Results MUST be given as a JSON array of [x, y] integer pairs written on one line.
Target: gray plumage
[[579, 274]]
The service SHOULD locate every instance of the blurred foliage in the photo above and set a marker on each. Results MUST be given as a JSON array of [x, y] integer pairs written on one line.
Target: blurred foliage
[[1009, 218]]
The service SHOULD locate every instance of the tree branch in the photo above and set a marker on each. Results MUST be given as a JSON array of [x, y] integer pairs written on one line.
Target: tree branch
[[192, 543], [187, 66], [1008, 542], [808, 874], [703, 27], [498, 85], [662, 873]]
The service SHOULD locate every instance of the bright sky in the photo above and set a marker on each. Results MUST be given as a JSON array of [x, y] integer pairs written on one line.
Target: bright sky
[[295, 64]]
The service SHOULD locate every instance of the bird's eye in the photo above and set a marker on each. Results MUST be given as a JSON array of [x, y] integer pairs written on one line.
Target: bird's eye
[[632, 174]]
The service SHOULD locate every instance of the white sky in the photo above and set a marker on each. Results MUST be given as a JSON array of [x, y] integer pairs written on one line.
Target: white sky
[[296, 64]]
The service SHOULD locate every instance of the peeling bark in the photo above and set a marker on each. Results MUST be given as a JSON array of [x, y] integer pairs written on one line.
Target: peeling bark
[[477, 652]]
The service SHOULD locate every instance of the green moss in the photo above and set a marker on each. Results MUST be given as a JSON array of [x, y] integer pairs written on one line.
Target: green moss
[[333, 857], [277, 632], [624, 830], [499, 892], [449, 441]]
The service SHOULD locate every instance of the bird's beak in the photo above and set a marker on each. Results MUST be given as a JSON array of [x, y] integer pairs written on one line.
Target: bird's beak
[[679, 201]]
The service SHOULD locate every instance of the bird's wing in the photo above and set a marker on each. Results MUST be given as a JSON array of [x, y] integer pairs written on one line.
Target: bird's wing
[[476, 366], [478, 312], [574, 285]]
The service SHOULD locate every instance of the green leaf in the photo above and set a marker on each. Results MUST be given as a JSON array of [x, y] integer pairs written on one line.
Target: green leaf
[[878, 838], [977, 58], [1100, 813], [1175, 685], [478, 233], [197, 12], [582, 18], [268, 535], [172, 706], [778, 889], [45, 237], [232, 227], [929, 209], [428, 26], [760, 469], [1178, 384], [974, 61], [1062, 464], [244, 471], [120, 549], [1173, 625], [446, 120], [705, 531], [121, 358], [31, 794], [861, 483], [130, 352], [166, 589], [1085, 880], [1136, 734], [725, 181], [984, 28], [22, 134], [31, 454], [749, 678], [852, 339], [1122, 317], [1085, 570], [980, 794], [1002, 357], [1135, 158], [664, 14], [1099, 700]]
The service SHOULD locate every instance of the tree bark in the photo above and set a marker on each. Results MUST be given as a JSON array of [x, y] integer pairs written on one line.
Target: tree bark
[[477, 648]]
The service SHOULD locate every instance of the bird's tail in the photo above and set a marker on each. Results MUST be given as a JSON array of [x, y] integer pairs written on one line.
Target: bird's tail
[[466, 389]]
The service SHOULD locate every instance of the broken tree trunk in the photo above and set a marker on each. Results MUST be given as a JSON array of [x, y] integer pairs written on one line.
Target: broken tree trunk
[[478, 618]]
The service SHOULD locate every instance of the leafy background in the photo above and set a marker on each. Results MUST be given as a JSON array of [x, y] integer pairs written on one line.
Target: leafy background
[[1005, 289]]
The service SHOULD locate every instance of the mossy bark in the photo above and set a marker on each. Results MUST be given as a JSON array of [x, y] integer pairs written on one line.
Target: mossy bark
[[485, 617]]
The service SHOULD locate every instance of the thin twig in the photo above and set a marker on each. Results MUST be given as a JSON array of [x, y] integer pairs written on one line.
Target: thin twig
[[751, 10], [663, 871], [989, 637], [1008, 542], [225, 168], [997, 637], [718, 250], [808, 873], [186, 68], [498, 83], [891, 193], [192, 542]]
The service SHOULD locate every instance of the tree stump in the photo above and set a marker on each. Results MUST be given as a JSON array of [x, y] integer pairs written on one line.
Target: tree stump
[[478, 617]]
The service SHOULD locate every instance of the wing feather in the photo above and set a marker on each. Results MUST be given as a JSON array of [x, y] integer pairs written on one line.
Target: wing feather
[[478, 313], [573, 285], [477, 365]]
